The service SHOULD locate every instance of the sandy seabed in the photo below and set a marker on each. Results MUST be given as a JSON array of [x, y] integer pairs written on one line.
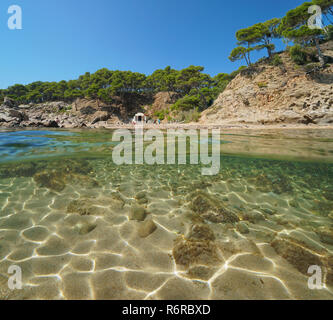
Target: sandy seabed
[[88, 229]]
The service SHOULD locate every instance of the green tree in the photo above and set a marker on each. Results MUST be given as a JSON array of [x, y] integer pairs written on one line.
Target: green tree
[[294, 26], [241, 53], [247, 38], [162, 80], [268, 33], [326, 7]]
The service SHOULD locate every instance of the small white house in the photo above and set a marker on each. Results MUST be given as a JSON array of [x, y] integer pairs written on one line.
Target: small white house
[[139, 118]]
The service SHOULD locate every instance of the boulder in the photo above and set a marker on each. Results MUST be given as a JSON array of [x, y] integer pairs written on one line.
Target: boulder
[[100, 116], [9, 102]]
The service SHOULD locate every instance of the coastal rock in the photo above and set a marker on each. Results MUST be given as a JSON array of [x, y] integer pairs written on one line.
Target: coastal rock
[[266, 94], [100, 116], [51, 124], [8, 102]]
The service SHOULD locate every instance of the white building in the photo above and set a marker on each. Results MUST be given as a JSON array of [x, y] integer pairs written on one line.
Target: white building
[[139, 118]]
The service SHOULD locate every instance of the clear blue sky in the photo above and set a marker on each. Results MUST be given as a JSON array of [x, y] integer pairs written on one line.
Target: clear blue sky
[[62, 39]]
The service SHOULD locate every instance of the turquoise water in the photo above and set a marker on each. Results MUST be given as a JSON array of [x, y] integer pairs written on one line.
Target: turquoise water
[[81, 227]]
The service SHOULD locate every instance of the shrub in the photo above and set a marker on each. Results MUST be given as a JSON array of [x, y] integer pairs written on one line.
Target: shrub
[[188, 116], [187, 103], [262, 85], [160, 114], [311, 67], [276, 61], [298, 55], [192, 116]]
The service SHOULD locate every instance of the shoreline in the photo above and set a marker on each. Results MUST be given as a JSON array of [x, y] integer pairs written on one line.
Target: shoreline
[[220, 126], [195, 126]]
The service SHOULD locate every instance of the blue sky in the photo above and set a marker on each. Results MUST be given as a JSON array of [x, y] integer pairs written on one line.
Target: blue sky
[[62, 39]]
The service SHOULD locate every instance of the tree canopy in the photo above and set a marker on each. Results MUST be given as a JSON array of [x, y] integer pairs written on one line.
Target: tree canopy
[[293, 27]]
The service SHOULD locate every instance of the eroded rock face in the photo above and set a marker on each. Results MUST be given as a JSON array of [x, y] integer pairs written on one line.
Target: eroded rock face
[[268, 94], [8, 102]]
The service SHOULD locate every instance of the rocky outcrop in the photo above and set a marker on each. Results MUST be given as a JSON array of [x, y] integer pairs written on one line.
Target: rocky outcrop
[[162, 101], [266, 94], [59, 114]]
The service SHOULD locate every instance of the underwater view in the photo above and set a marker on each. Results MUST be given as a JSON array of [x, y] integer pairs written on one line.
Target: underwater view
[[79, 226]]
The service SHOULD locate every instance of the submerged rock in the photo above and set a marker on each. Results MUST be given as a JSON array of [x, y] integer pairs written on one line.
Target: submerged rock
[[146, 228], [211, 209], [325, 234], [24, 169], [278, 184], [116, 202], [187, 252], [201, 232], [201, 272], [242, 228], [197, 248], [84, 207], [85, 228], [302, 257], [57, 174], [253, 216], [51, 179], [140, 195], [328, 194], [138, 213]]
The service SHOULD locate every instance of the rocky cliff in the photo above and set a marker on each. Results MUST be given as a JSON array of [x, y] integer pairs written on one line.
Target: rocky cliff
[[266, 94], [80, 113]]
